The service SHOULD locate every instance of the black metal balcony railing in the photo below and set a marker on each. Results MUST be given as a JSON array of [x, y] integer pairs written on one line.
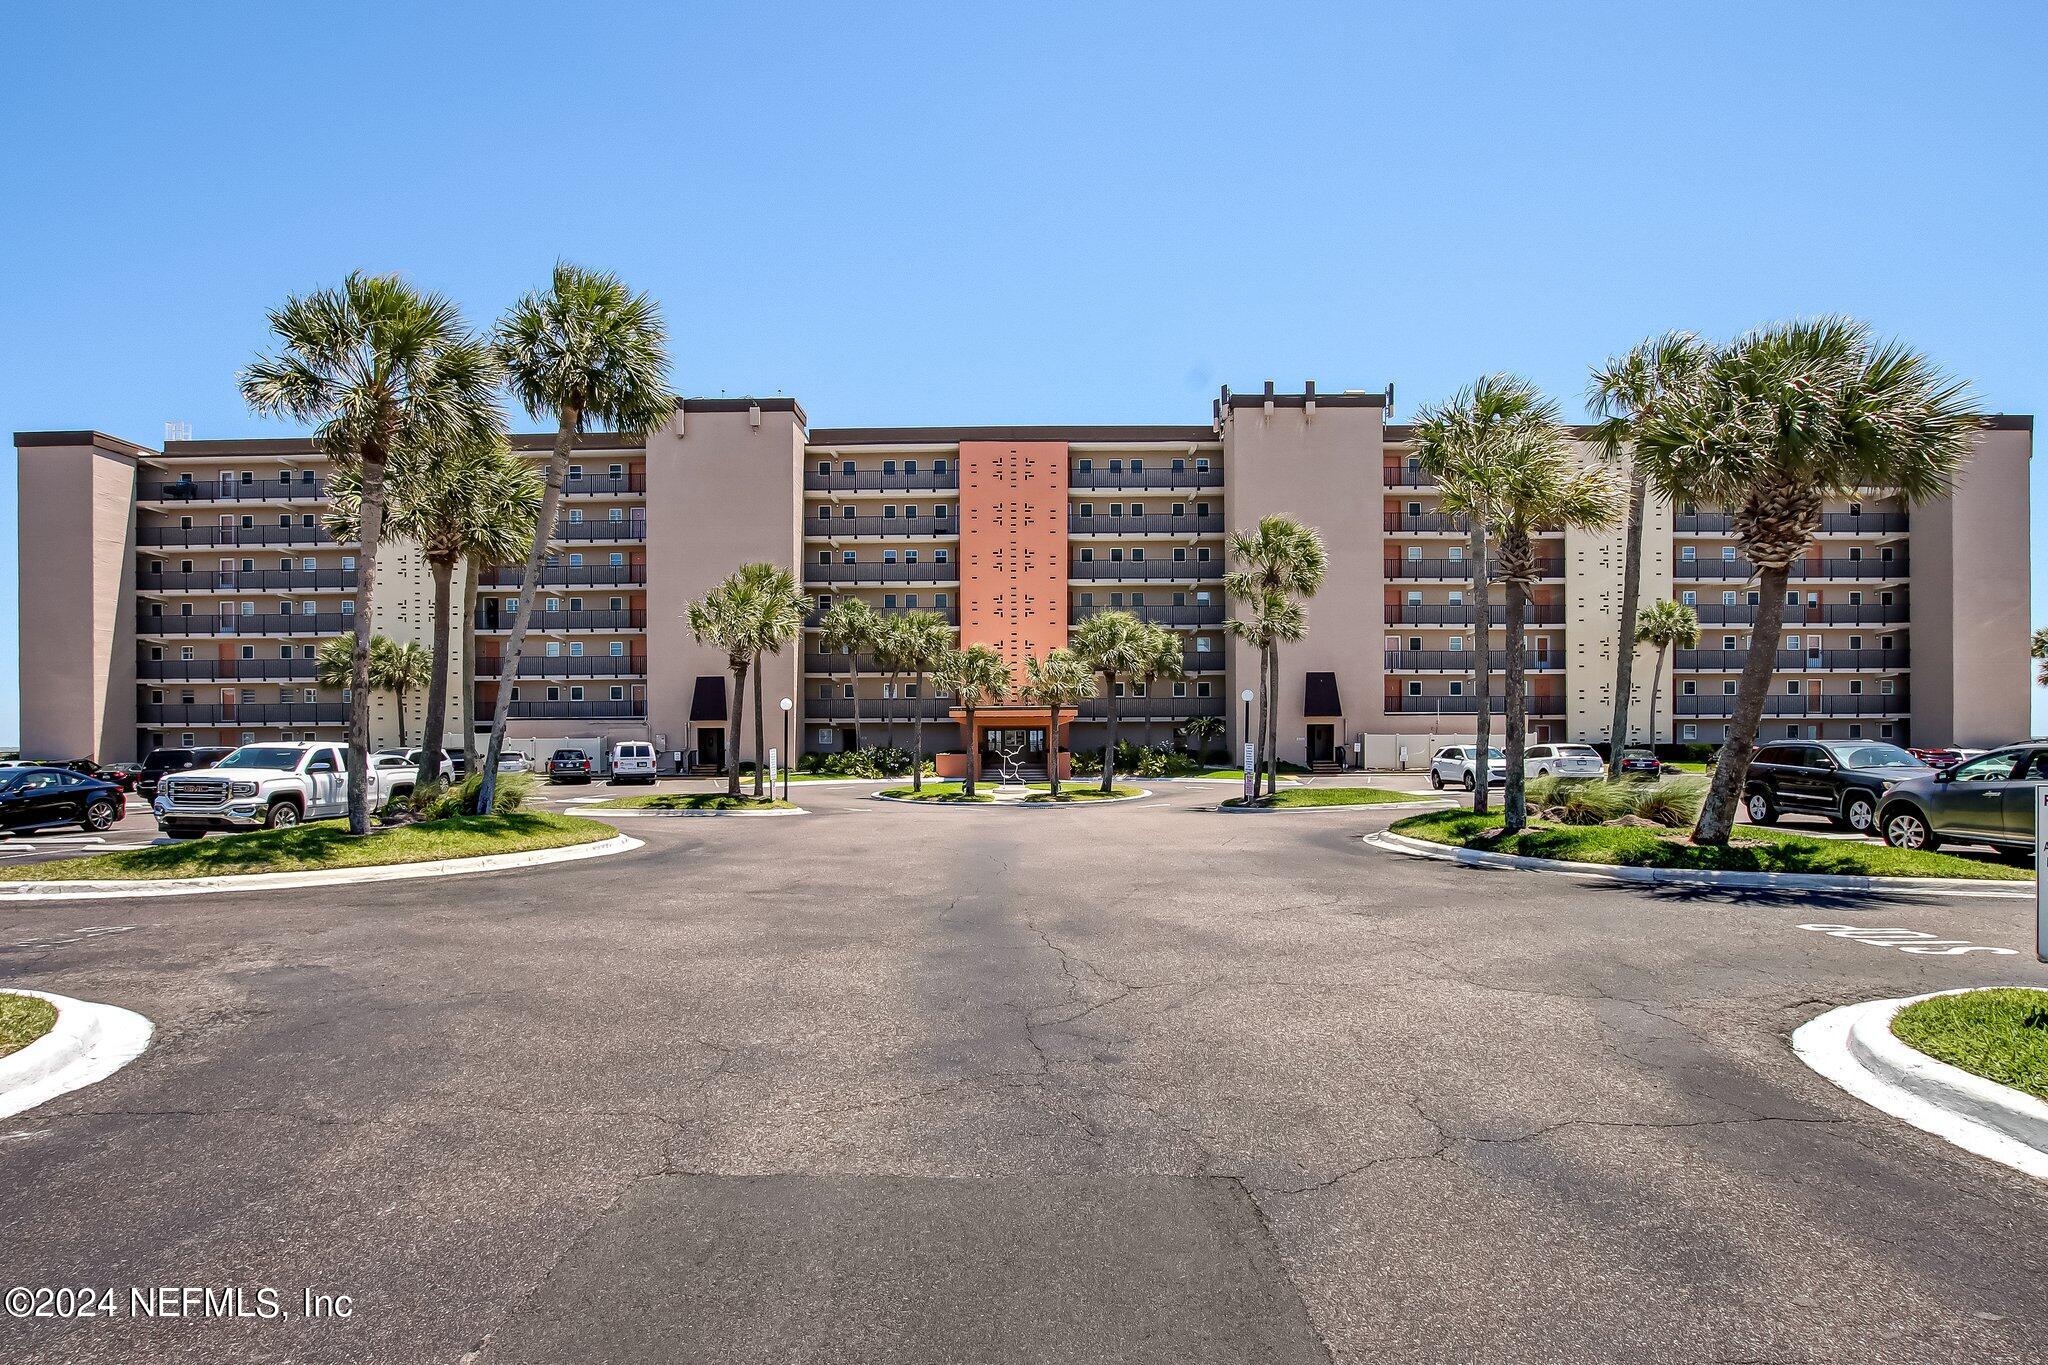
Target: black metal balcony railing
[[566, 575], [226, 670], [1461, 614], [880, 481], [1169, 477], [1469, 705], [1802, 614], [1743, 570], [1831, 523], [1147, 570], [214, 490], [243, 713], [1156, 708], [270, 623], [1193, 614], [841, 528], [249, 580], [877, 709], [1188, 524], [1459, 570], [873, 571], [815, 618], [1401, 476], [523, 709], [1201, 660], [1791, 660], [1460, 661], [1399, 522], [600, 484], [1783, 704], [631, 528], [543, 622], [566, 666], [228, 537], [839, 663]]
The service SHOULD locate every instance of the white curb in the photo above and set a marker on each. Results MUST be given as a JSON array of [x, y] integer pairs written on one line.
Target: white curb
[[642, 814], [281, 881], [88, 1043], [1854, 1047], [1003, 803], [1678, 876], [1352, 808]]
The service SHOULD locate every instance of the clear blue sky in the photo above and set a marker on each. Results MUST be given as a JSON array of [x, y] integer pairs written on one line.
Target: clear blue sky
[[1027, 213]]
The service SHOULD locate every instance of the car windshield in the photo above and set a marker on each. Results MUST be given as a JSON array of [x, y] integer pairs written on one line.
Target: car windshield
[[568, 753], [1578, 751], [1873, 756], [1637, 753], [261, 756]]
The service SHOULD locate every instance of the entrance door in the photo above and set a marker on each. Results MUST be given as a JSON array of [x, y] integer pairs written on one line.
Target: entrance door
[[1322, 744], [711, 747]]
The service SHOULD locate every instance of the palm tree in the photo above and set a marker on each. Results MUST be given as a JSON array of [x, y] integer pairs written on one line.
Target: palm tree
[[1201, 732], [1113, 643], [779, 606], [1161, 661], [727, 619], [849, 627], [920, 641], [1279, 565], [1460, 443], [584, 350], [384, 371], [403, 670], [977, 677], [1667, 625], [1773, 425], [1540, 486], [1056, 682], [888, 651], [2040, 652], [1620, 391], [496, 528]]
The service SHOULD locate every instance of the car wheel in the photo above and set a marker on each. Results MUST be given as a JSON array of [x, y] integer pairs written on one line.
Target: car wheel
[[1471, 782], [1543, 772], [100, 816], [281, 815], [1762, 810], [1860, 814], [1436, 780], [1907, 828]]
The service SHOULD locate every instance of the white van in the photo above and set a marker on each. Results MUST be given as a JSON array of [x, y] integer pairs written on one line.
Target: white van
[[632, 761]]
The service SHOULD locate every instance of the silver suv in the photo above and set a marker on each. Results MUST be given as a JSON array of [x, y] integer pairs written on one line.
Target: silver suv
[[1989, 799], [1458, 766]]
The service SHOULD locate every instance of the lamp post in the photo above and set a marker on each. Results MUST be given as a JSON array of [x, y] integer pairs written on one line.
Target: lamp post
[[787, 707], [1250, 767]]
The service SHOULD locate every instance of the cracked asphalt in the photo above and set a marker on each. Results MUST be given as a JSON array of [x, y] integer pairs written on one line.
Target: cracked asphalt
[[894, 1084]]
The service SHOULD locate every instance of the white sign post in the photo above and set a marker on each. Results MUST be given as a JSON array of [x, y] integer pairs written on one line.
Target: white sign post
[[771, 772], [2040, 852], [1251, 772]]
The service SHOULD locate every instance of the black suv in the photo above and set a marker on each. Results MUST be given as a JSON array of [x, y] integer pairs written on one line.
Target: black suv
[[1842, 779], [163, 762]]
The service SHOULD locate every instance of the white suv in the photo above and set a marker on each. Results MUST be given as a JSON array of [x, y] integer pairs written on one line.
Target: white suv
[[1565, 760], [632, 761], [1456, 765]]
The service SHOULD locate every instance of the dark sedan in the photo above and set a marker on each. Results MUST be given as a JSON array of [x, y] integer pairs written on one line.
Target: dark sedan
[[1843, 780], [163, 762], [569, 765], [121, 775], [1640, 763], [46, 798]]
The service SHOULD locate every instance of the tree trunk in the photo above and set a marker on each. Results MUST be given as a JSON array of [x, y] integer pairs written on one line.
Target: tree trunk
[[1273, 727], [888, 710], [760, 732], [1482, 669], [1625, 660], [1514, 799], [853, 676], [469, 595], [434, 731], [357, 760], [1265, 708], [973, 751], [1656, 686], [529, 585], [917, 735], [1052, 743], [1109, 744], [398, 693], [734, 729], [1731, 770]]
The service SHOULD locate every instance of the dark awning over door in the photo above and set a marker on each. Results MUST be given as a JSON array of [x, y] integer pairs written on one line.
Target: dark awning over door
[[1319, 696], [707, 702]]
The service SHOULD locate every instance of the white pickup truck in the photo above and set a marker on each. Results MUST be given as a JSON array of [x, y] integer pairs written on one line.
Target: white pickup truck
[[268, 786]]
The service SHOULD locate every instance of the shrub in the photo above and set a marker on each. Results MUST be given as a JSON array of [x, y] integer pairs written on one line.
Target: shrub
[[1578, 803], [438, 801], [868, 762], [1671, 804], [1087, 763]]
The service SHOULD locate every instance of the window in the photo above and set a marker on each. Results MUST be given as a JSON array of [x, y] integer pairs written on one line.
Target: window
[[1686, 555], [575, 694], [1180, 554], [618, 693], [1414, 556], [618, 559], [888, 556], [575, 649], [576, 516], [1688, 732], [1855, 732], [938, 466], [1415, 688], [1457, 689], [1201, 689], [1727, 554], [617, 649]]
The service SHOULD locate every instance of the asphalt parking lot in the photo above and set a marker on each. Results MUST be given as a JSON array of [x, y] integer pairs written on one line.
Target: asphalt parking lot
[[888, 1083]]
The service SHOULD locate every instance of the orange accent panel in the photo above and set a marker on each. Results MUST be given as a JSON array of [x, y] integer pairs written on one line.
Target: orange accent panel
[[1013, 548]]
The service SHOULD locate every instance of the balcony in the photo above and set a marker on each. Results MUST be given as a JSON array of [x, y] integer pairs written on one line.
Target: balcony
[[905, 528], [1793, 660], [226, 670], [1801, 614], [1401, 476], [566, 575], [579, 710], [837, 664], [585, 532], [1197, 614], [229, 537], [1188, 524], [1461, 614], [1428, 523], [249, 580], [815, 618], [1087, 480], [1861, 570], [1460, 661], [881, 481], [1458, 570], [1201, 660], [1145, 570], [878, 709], [600, 485], [876, 571], [493, 621], [1153, 708], [1781, 704], [566, 666], [272, 623], [1469, 706], [243, 714], [224, 490], [1831, 524]]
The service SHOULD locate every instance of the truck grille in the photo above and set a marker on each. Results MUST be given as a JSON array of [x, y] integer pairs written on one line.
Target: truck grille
[[191, 792]]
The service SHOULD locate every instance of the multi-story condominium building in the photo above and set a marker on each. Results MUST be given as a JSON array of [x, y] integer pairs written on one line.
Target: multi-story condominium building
[[177, 596]]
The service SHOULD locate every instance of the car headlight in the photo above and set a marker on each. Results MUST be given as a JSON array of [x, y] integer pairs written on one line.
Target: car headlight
[[242, 789]]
